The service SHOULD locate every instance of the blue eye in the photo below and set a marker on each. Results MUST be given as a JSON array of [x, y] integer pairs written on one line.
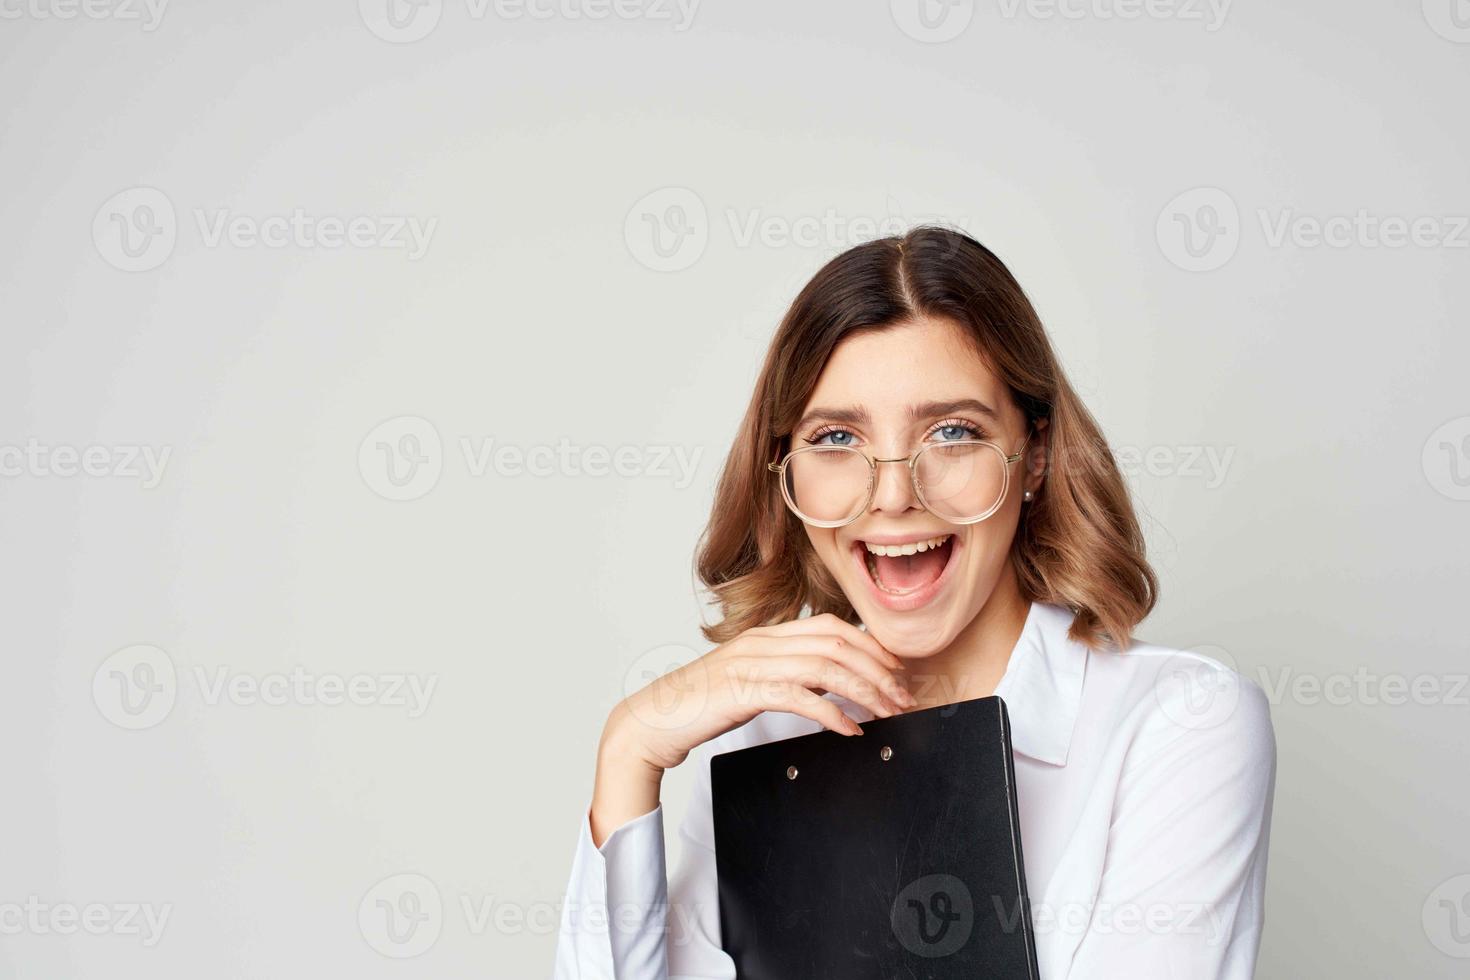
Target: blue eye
[[839, 437], [957, 431]]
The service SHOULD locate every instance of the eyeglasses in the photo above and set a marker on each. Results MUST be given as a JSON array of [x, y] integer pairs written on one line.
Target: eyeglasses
[[962, 482]]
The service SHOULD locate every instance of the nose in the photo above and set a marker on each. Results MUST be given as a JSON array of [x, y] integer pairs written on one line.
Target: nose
[[893, 492]]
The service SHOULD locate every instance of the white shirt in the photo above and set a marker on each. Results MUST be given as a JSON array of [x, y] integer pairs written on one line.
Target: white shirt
[[1144, 783]]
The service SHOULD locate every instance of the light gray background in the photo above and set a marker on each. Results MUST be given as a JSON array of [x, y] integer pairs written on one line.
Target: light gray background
[[1325, 545]]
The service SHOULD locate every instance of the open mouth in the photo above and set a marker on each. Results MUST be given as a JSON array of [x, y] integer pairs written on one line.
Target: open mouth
[[908, 570]]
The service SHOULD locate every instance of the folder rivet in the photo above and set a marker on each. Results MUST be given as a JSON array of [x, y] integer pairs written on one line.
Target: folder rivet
[[790, 772], [885, 753]]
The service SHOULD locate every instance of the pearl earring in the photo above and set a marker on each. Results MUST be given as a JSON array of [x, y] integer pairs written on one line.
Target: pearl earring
[[1027, 495]]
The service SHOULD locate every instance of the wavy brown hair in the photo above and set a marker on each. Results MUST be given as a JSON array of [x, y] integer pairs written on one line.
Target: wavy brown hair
[[1078, 543]]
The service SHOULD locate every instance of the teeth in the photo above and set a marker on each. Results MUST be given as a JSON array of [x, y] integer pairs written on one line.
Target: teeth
[[912, 548]]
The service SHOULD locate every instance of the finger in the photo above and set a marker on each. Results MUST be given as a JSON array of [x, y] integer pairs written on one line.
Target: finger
[[893, 685], [835, 625], [800, 701], [818, 673], [855, 659]]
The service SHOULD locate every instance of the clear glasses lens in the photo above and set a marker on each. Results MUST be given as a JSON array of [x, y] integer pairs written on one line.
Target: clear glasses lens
[[827, 484], [960, 482]]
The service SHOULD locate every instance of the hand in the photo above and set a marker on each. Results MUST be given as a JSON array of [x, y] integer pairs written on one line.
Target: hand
[[785, 667]]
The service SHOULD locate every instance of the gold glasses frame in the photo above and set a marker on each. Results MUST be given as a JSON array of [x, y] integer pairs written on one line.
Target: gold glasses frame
[[911, 460]]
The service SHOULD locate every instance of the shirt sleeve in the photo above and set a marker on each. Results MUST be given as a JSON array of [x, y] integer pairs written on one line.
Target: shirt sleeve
[[625, 919], [1183, 882]]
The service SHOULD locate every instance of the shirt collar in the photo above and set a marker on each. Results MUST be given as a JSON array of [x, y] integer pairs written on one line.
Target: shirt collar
[[1042, 685]]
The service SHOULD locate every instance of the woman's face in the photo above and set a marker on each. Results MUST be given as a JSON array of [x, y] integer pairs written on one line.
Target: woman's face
[[915, 605]]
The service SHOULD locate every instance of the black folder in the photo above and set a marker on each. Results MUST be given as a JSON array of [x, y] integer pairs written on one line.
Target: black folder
[[895, 853]]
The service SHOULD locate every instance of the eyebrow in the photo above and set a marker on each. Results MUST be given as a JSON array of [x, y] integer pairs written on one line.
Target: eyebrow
[[857, 415]]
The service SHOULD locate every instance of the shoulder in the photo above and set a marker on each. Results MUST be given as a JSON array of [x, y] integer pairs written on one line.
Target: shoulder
[[1184, 704]]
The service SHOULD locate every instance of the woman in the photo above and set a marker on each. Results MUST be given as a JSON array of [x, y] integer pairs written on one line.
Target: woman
[[917, 477]]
